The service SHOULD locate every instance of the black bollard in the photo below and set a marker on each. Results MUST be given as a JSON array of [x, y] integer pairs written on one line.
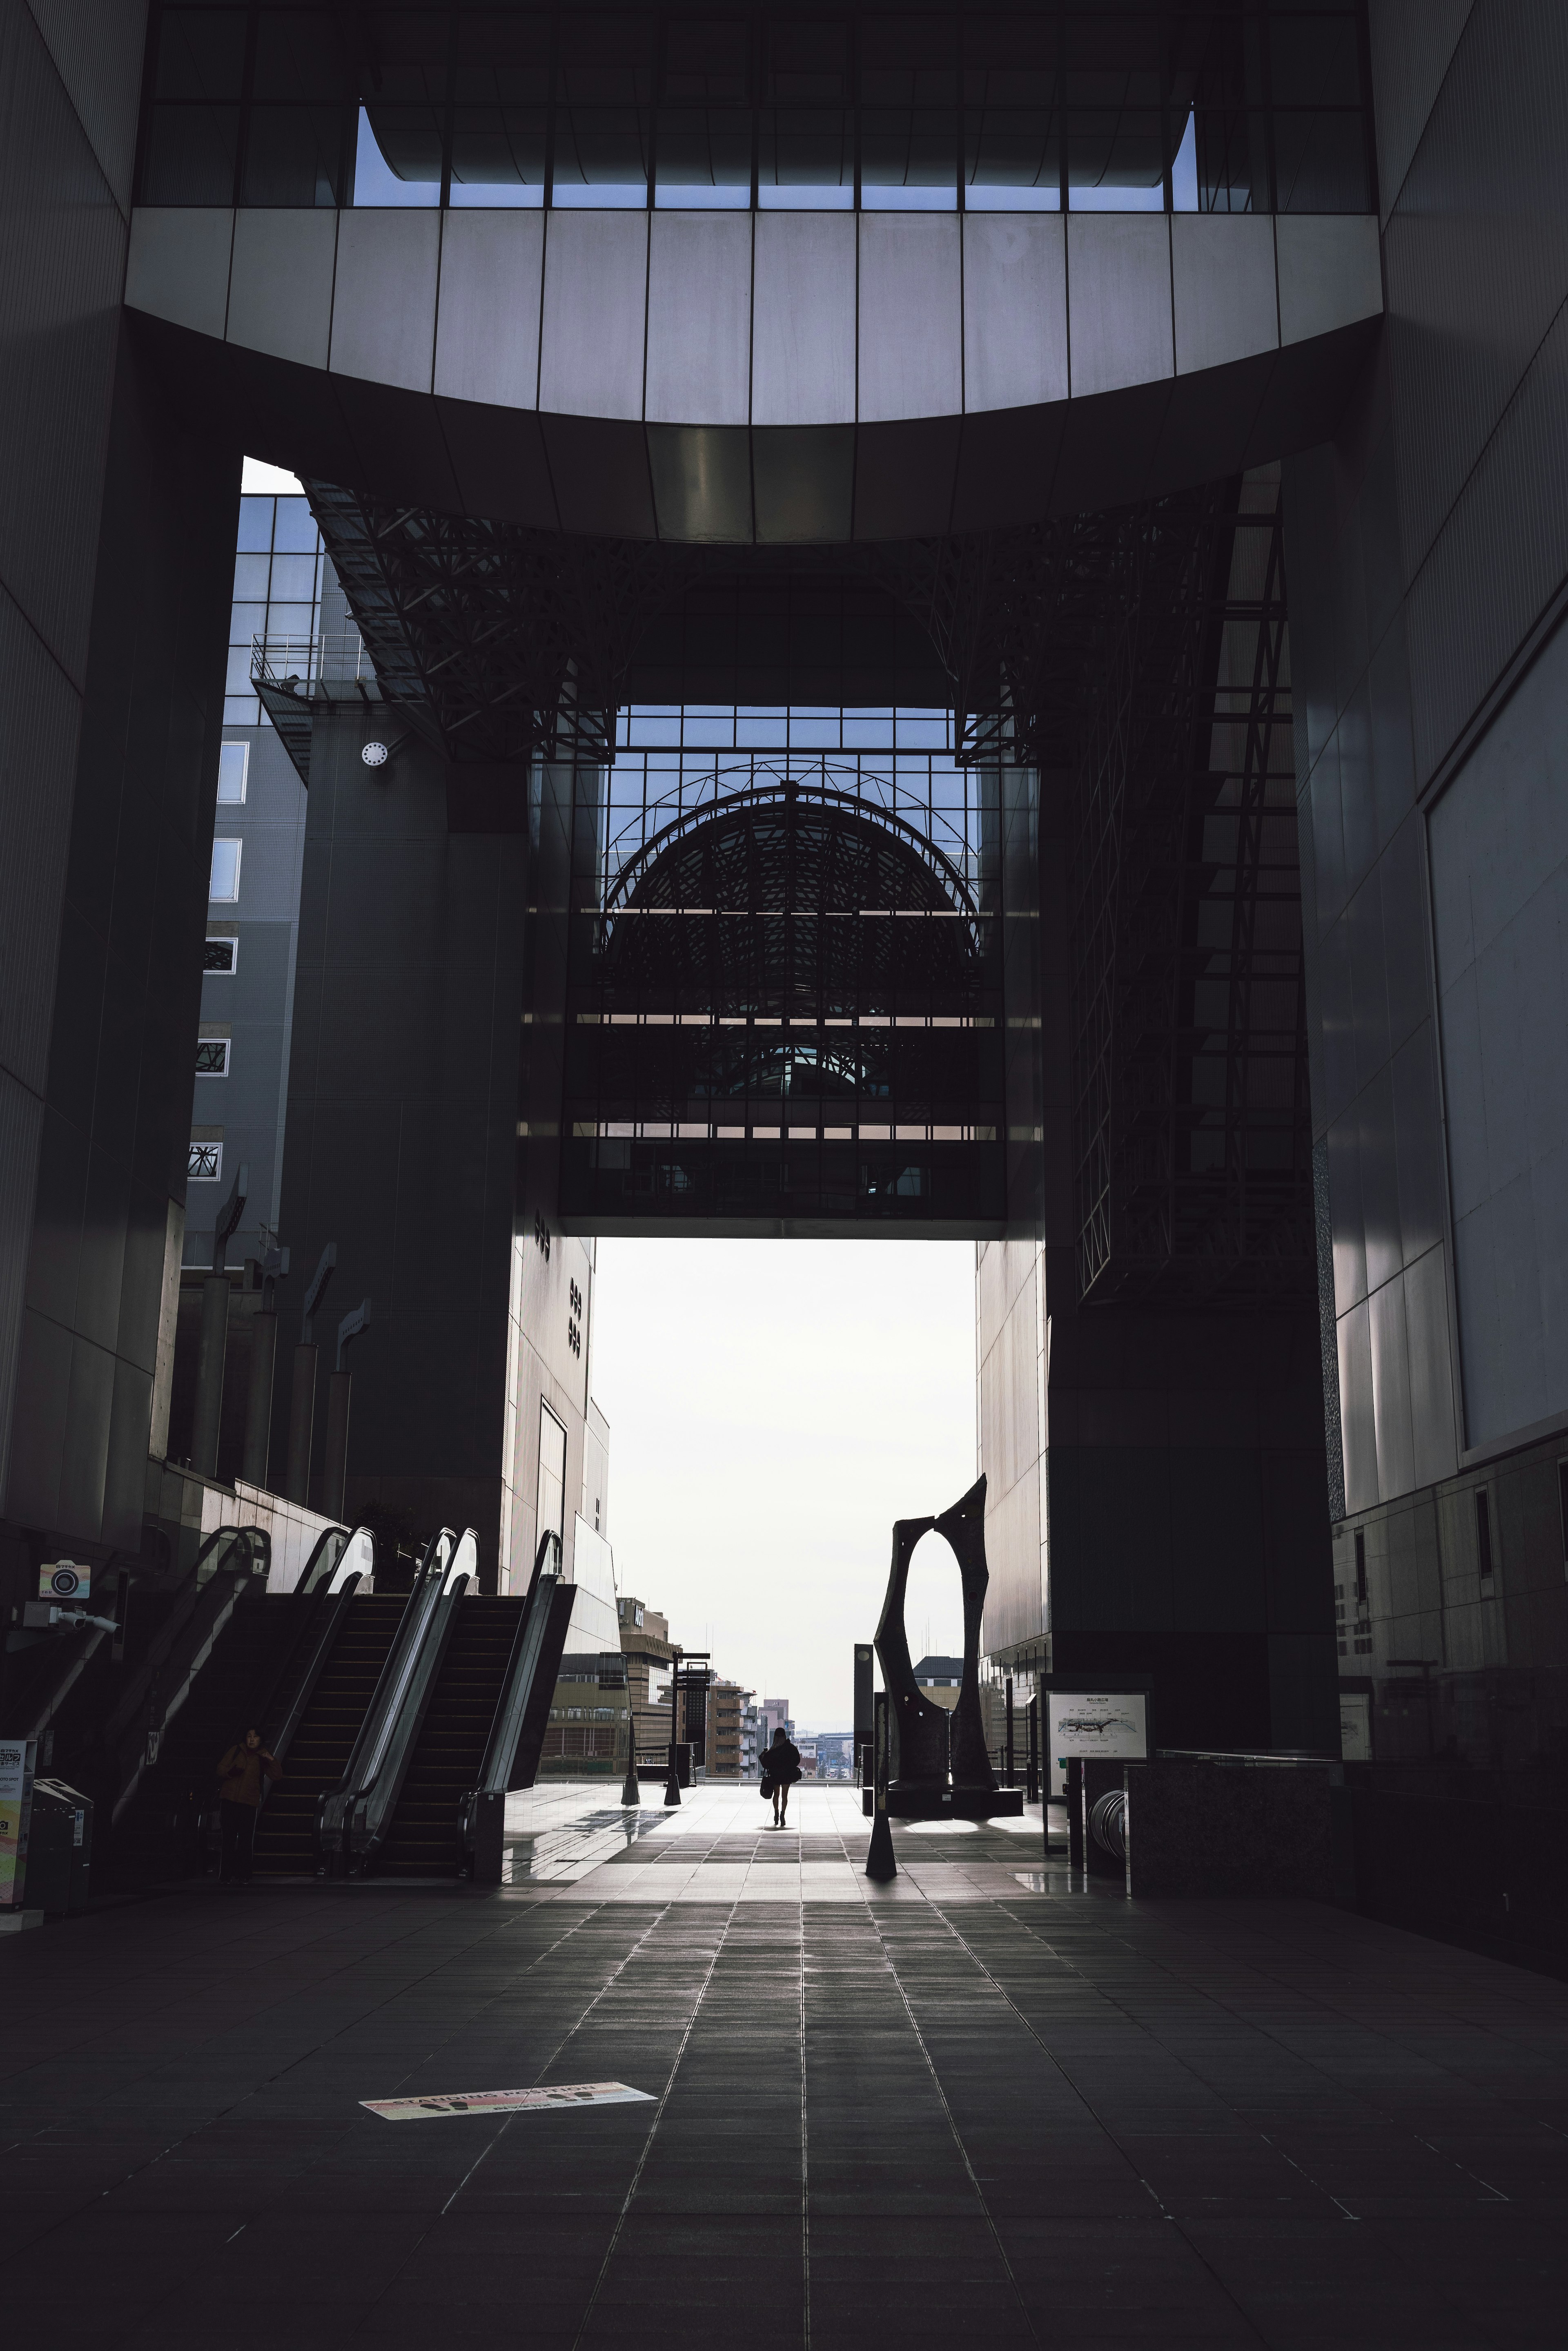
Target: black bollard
[[1032, 1786], [631, 1787], [879, 1862], [1074, 1813], [673, 1785]]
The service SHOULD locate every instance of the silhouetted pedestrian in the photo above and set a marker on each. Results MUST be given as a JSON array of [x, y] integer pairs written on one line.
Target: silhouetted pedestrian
[[241, 1773], [780, 1769]]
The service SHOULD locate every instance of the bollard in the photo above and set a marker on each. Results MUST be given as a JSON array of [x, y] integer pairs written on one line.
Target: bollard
[[879, 1862]]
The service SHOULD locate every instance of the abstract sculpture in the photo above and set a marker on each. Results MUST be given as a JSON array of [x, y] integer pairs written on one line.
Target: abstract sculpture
[[940, 1766]]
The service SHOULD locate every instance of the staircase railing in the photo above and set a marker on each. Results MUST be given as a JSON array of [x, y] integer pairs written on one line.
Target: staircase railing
[[353, 1818], [517, 1728]]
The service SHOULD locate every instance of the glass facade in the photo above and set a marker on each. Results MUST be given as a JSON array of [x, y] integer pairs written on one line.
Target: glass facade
[[1239, 108], [784, 987], [277, 592]]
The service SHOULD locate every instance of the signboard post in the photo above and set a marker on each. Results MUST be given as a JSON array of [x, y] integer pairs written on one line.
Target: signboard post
[[18, 1758]]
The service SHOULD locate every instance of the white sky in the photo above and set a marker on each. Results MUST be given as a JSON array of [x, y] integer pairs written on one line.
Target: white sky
[[773, 1406]]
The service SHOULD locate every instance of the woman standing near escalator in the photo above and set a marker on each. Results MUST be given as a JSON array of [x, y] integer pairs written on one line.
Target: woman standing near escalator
[[242, 1770]]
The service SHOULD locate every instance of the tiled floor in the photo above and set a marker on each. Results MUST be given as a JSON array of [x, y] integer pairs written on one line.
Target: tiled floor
[[951, 2108]]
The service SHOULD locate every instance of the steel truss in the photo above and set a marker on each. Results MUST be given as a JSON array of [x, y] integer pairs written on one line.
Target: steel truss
[[499, 644], [1193, 1132], [1144, 651]]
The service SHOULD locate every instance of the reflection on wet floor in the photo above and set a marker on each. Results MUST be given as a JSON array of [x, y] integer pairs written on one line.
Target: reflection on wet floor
[[565, 1830]]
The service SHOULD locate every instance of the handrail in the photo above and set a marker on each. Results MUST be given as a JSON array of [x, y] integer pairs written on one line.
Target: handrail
[[334, 1573], [354, 1816], [208, 1598], [495, 1772], [525, 1693]]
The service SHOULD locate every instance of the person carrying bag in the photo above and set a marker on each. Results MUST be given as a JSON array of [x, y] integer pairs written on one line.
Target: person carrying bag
[[781, 1769], [242, 1770]]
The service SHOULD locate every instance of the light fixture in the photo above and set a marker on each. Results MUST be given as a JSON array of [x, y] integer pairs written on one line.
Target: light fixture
[[374, 754]]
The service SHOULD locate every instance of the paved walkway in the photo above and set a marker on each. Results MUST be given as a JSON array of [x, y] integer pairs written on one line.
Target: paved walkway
[[956, 2109]]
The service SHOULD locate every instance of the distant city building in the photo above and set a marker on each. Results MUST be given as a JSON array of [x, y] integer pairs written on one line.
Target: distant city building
[[645, 1646], [834, 1754], [940, 1678], [774, 1714], [807, 1757], [725, 1743], [750, 1735], [586, 1732]]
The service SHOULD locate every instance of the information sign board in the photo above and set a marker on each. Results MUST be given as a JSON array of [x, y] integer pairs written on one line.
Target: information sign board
[[1096, 1722], [17, 1758]]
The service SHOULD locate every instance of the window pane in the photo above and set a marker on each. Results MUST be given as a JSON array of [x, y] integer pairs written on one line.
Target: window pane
[[201, 53], [293, 580], [294, 532], [397, 158], [256, 525], [212, 1056], [294, 155], [246, 621], [190, 155], [225, 881], [219, 954], [206, 1162], [232, 761]]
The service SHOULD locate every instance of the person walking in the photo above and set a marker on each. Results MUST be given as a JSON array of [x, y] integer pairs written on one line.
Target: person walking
[[781, 1761], [242, 1770]]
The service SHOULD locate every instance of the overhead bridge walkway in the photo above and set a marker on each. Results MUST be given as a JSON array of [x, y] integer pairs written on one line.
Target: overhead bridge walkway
[[400, 1722]]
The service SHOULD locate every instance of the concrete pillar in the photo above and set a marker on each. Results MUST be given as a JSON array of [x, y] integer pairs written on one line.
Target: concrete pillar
[[335, 1468], [258, 1404], [301, 1418], [208, 1411]]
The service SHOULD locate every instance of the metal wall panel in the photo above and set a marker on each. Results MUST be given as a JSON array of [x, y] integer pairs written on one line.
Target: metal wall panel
[[803, 321], [97, 47], [1330, 270], [1413, 42], [701, 482], [595, 314], [1419, 1143], [1379, 1177], [1433, 1442], [1118, 300], [384, 296], [698, 319], [1500, 561], [1225, 299], [280, 289], [487, 326], [178, 266], [1358, 1421], [1499, 851], [1342, 1144], [1477, 250], [910, 317], [1014, 310]]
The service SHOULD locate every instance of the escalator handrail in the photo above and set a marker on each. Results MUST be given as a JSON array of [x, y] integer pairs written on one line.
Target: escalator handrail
[[382, 1744], [332, 1813], [370, 1813], [188, 1594], [168, 1686], [522, 1665], [330, 1580]]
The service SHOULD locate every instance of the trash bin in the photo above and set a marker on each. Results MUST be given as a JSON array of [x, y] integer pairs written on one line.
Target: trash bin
[[60, 1848]]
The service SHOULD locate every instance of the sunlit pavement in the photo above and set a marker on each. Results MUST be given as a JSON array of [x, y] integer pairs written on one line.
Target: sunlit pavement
[[954, 2107]]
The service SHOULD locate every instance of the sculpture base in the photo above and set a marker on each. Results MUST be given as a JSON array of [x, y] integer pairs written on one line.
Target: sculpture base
[[918, 1802]]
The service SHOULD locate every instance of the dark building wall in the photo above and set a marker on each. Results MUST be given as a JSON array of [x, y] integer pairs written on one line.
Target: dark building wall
[[401, 1131], [1428, 549], [114, 548]]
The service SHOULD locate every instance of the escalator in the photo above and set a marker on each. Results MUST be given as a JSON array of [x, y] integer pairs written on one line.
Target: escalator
[[423, 1840], [320, 1749]]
